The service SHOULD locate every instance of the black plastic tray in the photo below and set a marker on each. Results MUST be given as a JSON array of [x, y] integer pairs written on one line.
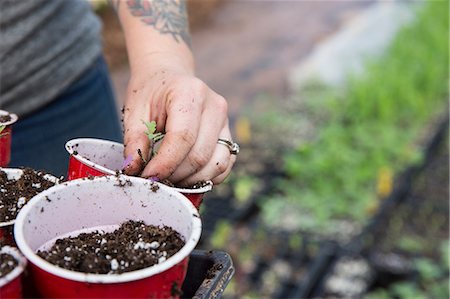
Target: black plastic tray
[[208, 274]]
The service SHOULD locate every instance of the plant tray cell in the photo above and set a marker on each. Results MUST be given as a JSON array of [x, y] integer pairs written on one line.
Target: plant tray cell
[[209, 272]]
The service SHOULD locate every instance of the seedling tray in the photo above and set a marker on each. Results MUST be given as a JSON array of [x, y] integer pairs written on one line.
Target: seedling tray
[[295, 287], [348, 275], [402, 191], [209, 272], [379, 250]]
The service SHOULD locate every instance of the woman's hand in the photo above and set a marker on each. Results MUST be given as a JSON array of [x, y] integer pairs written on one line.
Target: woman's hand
[[193, 118]]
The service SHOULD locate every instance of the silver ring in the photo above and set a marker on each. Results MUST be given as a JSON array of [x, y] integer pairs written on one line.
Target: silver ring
[[232, 146]]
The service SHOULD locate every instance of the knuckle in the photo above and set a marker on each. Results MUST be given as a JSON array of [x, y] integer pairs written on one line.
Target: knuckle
[[198, 85], [222, 105], [198, 160], [187, 137], [168, 171]]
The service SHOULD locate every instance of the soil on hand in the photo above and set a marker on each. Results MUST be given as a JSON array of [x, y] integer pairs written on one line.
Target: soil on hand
[[5, 118], [7, 264], [16, 193], [133, 246]]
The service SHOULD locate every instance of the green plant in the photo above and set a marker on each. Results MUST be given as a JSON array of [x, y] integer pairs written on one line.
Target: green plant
[[411, 243], [151, 133], [432, 280], [406, 290], [153, 136], [428, 270], [371, 128], [2, 127], [221, 234], [244, 187]]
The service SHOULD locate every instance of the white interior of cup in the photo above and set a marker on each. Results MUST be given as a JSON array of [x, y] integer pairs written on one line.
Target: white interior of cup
[[104, 155], [13, 118], [22, 262], [15, 173], [99, 202], [107, 157]]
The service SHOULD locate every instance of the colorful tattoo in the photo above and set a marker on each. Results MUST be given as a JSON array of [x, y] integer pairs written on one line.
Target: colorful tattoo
[[166, 16]]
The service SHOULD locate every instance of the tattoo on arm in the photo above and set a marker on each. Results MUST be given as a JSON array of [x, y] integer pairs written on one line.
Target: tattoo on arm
[[115, 4], [166, 16]]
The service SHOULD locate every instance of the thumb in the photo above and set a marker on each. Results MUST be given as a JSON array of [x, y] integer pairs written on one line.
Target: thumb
[[137, 145]]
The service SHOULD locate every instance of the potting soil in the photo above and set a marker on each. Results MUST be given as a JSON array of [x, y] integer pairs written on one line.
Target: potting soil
[[133, 246], [7, 264], [5, 118], [16, 193]]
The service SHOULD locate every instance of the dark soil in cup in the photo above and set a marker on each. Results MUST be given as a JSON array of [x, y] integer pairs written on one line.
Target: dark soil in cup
[[16, 193], [198, 185], [7, 264], [5, 118], [131, 247]]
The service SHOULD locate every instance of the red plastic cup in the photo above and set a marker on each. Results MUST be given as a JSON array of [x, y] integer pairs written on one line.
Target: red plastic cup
[[97, 157], [5, 139], [104, 203], [6, 227], [11, 283]]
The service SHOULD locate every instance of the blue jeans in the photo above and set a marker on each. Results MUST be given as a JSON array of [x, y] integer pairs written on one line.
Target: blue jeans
[[87, 108]]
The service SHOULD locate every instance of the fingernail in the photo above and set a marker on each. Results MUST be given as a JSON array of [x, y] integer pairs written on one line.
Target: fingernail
[[154, 179], [127, 161]]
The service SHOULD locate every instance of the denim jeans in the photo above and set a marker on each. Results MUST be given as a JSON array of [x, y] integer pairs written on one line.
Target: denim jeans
[[87, 108]]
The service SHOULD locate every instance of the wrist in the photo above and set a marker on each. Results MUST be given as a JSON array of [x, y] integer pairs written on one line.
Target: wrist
[[151, 62]]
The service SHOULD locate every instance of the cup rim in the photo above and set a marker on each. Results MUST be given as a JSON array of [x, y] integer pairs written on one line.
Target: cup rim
[[107, 278], [70, 144], [22, 262], [13, 118], [207, 187], [15, 172]]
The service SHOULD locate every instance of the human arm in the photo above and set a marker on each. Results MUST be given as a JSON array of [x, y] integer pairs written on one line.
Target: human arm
[[163, 88]]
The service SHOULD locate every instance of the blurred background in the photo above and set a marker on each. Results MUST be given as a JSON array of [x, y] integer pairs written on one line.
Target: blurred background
[[341, 110]]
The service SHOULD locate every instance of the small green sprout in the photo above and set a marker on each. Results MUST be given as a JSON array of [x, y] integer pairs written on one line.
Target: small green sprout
[[151, 132], [2, 127], [153, 136]]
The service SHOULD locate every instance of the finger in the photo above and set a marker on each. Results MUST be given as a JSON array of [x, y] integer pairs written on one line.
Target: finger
[[220, 178], [216, 166], [213, 119], [135, 141], [182, 126]]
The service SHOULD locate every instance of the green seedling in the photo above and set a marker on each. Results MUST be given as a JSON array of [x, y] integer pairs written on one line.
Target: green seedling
[[2, 127], [151, 133], [153, 136]]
